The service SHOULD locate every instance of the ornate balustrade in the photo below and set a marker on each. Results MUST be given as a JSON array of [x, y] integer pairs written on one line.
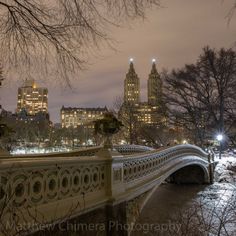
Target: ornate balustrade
[[132, 149], [53, 188], [50, 189], [139, 165]]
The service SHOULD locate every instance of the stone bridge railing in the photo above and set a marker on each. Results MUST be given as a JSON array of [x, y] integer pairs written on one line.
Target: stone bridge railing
[[53, 188], [132, 149], [139, 165]]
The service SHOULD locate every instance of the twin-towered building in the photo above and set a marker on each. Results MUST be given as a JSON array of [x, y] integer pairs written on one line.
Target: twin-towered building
[[132, 86], [150, 112]]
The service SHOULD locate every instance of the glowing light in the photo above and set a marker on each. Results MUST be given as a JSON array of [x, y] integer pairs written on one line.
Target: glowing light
[[153, 60], [219, 137], [131, 59], [185, 141], [37, 150], [90, 142], [34, 85], [122, 142]]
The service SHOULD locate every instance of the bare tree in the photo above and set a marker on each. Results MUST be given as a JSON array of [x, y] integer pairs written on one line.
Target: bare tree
[[201, 96], [60, 33], [3, 127], [159, 135], [127, 113]]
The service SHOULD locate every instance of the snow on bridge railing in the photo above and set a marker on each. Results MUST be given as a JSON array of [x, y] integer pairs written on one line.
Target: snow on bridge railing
[[139, 165], [88, 151]]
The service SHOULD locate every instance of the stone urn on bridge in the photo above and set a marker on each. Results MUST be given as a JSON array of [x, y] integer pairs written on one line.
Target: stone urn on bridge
[[107, 127]]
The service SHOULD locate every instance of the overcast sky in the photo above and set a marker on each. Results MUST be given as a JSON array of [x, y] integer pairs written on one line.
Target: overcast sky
[[174, 35]]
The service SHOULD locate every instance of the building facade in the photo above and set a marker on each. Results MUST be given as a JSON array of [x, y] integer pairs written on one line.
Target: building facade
[[148, 113], [154, 87], [32, 98], [77, 117], [131, 86]]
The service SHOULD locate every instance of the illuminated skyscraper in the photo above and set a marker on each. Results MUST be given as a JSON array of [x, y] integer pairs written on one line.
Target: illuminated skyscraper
[[148, 113], [32, 98], [131, 86], [154, 86]]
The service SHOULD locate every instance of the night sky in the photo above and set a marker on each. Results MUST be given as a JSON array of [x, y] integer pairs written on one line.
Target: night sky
[[174, 34]]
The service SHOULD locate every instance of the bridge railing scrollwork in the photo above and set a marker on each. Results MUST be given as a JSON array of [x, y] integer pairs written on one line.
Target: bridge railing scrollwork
[[58, 187], [139, 165]]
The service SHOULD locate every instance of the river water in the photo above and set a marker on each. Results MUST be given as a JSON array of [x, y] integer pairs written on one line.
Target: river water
[[171, 210]]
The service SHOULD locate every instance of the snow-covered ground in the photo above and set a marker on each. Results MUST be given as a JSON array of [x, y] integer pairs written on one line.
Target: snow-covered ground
[[225, 171], [216, 203], [224, 187]]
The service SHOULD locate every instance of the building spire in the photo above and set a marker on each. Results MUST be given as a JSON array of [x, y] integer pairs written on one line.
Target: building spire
[[154, 86], [131, 85], [154, 69], [131, 65]]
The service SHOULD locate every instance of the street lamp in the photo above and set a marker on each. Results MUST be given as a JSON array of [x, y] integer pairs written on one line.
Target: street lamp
[[219, 137]]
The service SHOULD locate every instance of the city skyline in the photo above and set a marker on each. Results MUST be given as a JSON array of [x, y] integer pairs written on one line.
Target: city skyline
[[173, 39]]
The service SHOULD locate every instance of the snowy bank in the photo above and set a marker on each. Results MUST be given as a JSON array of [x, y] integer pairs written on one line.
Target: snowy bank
[[226, 169]]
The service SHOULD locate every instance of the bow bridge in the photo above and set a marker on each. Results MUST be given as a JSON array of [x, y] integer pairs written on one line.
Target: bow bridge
[[94, 185]]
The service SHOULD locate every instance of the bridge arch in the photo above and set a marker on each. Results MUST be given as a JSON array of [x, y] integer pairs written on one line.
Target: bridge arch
[[180, 174], [190, 174]]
